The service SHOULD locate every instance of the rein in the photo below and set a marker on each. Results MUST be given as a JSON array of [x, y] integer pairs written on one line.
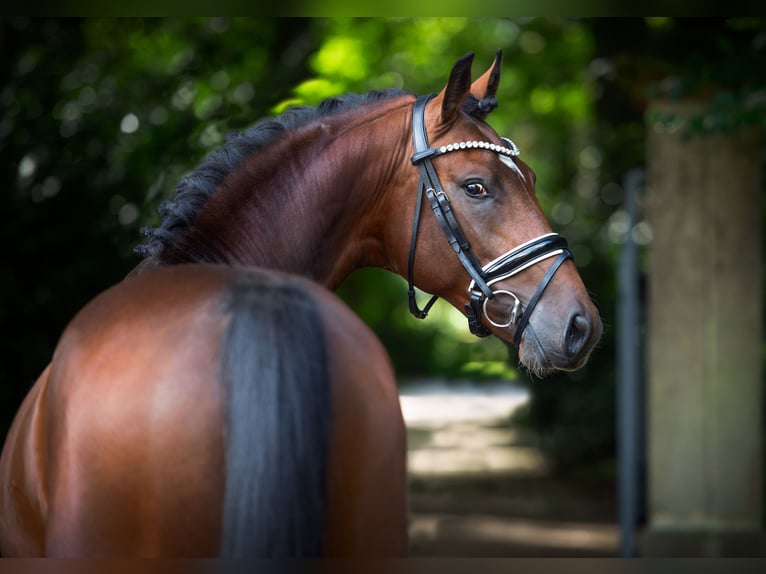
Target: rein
[[482, 277]]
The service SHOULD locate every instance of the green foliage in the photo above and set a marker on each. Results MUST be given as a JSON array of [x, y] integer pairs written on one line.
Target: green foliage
[[727, 73], [98, 120]]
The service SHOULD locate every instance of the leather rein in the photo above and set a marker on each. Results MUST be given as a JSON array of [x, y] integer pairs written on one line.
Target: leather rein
[[482, 277]]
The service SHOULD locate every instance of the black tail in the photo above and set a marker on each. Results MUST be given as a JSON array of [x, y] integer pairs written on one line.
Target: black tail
[[274, 366]]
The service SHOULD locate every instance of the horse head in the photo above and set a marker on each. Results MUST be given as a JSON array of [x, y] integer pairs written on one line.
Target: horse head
[[502, 264]]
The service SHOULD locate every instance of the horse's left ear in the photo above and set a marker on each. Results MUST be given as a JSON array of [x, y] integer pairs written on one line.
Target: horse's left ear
[[486, 86], [457, 89]]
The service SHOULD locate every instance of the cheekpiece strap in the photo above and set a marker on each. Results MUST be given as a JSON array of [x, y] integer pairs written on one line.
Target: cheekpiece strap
[[438, 200]]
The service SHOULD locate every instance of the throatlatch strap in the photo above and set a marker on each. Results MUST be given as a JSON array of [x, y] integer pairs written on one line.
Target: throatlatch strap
[[439, 202], [414, 309], [419, 139]]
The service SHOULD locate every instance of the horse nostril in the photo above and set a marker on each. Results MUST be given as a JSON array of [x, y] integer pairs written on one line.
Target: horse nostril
[[577, 335]]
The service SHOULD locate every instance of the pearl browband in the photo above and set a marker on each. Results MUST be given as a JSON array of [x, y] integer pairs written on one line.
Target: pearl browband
[[511, 151]]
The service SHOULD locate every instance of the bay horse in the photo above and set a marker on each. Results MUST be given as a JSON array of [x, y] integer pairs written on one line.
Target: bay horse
[[221, 401]]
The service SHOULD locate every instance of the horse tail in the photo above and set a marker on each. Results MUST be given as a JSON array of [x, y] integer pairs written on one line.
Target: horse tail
[[277, 434]]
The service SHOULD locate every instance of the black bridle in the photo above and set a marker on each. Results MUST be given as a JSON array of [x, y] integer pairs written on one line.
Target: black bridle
[[482, 277]]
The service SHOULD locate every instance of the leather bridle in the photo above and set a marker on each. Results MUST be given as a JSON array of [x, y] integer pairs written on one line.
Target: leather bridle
[[482, 277]]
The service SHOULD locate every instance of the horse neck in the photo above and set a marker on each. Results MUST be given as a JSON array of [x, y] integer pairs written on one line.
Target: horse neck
[[309, 204]]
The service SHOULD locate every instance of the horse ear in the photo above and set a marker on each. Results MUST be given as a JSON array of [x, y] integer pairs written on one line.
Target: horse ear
[[486, 86], [457, 89]]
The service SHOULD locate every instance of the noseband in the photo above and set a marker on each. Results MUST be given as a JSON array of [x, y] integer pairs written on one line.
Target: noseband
[[482, 277]]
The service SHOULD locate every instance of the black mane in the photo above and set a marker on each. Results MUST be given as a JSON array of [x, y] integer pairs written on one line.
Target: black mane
[[193, 190]]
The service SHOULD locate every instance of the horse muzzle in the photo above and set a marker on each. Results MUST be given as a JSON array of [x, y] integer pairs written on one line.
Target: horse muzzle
[[560, 335]]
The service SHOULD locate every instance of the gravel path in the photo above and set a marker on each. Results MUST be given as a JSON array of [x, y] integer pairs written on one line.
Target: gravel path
[[478, 490]]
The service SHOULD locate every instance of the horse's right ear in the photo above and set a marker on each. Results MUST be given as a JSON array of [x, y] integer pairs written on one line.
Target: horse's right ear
[[486, 86], [457, 89]]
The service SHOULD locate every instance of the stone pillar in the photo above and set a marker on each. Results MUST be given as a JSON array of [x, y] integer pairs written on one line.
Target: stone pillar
[[705, 342]]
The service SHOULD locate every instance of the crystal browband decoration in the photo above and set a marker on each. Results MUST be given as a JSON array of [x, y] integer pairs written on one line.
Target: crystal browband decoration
[[512, 150]]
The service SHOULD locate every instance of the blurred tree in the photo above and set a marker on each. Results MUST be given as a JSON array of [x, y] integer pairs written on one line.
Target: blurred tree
[[98, 119], [719, 61]]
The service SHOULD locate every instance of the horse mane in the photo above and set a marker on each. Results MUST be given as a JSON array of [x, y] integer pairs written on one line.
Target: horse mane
[[195, 189]]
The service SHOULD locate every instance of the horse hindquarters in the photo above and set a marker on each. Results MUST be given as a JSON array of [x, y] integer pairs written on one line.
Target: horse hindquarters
[[134, 414], [367, 485], [23, 498], [194, 410]]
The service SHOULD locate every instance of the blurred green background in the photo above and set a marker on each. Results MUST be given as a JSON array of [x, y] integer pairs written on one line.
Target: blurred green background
[[99, 118]]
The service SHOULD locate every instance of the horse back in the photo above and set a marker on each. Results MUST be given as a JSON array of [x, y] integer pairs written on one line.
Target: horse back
[[134, 423], [367, 484]]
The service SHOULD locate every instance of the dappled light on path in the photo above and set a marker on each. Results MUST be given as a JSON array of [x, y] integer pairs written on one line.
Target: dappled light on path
[[483, 535], [463, 428], [479, 488]]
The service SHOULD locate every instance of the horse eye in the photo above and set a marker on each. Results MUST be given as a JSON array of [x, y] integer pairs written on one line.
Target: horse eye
[[476, 189]]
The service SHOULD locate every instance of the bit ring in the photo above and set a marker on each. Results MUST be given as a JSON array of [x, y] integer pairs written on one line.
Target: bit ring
[[514, 311]]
